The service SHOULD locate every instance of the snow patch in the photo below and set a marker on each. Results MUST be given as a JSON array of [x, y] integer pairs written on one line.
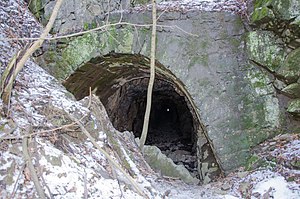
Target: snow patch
[[277, 187]]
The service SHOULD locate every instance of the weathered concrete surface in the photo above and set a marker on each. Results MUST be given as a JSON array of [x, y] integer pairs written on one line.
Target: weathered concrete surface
[[75, 14], [204, 50], [79, 14]]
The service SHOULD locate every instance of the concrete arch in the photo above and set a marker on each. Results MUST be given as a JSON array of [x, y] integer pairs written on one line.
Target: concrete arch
[[120, 80]]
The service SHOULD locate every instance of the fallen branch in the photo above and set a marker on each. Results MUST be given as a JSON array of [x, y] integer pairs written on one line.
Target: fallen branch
[[33, 173], [129, 178]]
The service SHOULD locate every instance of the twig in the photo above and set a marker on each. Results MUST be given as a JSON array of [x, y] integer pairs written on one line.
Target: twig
[[163, 12], [33, 173], [129, 178], [104, 27]]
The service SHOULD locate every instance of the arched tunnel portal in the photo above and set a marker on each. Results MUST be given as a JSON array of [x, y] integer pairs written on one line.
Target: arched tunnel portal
[[121, 81]]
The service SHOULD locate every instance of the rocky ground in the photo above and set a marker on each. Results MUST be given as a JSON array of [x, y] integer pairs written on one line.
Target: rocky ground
[[69, 165]]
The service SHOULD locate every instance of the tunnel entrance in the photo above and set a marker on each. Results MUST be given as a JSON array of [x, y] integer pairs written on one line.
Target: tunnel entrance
[[121, 81], [171, 126]]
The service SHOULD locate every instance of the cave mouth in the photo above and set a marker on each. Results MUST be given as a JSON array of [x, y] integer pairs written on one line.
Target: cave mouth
[[121, 82]]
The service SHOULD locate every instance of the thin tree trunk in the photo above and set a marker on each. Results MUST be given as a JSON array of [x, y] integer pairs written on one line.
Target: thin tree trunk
[[152, 77]]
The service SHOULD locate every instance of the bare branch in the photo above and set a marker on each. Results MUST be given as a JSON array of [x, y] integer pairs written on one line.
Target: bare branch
[[102, 28]]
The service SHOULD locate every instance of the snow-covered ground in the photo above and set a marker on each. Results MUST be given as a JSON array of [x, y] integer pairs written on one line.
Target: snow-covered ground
[[72, 167]]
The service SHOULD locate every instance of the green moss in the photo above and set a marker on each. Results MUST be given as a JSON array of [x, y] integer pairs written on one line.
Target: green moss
[[238, 141], [204, 44], [293, 90], [262, 15], [260, 3], [235, 42], [248, 121], [2, 126], [254, 162], [283, 9], [194, 60], [81, 49], [140, 2], [85, 26], [35, 7], [259, 81]]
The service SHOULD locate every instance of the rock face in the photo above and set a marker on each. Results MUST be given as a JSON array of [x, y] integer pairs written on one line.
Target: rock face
[[275, 44], [234, 100]]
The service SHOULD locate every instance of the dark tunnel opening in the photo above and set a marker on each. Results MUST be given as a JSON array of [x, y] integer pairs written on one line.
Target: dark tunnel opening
[[171, 126], [121, 82]]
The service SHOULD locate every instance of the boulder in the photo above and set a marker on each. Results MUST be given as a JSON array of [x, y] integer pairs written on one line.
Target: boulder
[[293, 90], [269, 9], [164, 165], [294, 107], [265, 48], [290, 69]]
